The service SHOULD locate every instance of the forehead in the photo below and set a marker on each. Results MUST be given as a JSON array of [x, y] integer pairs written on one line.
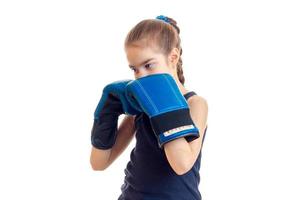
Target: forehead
[[137, 51], [138, 54]]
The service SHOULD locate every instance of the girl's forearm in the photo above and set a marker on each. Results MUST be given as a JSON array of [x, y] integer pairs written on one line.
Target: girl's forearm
[[179, 155], [99, 158]]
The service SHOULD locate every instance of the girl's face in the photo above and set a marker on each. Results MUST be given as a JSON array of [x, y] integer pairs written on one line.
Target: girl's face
[[145, 61]]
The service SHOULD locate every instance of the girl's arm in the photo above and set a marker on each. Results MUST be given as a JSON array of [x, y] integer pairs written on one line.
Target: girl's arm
[[101, 159], [180, 154]]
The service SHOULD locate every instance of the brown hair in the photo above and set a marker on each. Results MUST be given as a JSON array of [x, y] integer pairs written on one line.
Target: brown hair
[[164, 35]]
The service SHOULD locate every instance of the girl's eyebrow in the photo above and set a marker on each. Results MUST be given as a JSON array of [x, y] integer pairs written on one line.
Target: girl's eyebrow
[[131, 66]]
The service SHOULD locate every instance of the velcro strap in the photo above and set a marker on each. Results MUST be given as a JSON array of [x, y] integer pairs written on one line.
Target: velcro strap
[[172, 122]]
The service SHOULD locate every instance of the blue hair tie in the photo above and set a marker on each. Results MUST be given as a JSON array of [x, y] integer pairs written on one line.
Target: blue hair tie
[[166, 19], [163, 18]]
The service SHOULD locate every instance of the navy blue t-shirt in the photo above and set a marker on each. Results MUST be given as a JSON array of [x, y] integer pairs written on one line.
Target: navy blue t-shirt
[[148, 174]]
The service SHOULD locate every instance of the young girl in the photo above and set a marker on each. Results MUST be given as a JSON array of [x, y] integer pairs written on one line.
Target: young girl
[[171, 172]]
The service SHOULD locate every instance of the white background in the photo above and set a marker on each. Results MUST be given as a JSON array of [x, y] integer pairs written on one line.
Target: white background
[[56, 56]]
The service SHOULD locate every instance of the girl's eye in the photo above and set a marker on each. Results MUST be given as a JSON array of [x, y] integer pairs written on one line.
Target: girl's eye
[[133, 69], [149, 65]]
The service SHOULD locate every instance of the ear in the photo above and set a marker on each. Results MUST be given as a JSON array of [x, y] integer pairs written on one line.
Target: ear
[[174, 57]]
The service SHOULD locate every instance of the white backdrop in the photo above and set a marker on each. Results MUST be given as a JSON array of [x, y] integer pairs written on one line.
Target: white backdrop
[[56, 56]]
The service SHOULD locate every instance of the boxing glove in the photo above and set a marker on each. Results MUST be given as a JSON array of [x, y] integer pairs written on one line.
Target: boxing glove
[[112, 104], [160, 98]]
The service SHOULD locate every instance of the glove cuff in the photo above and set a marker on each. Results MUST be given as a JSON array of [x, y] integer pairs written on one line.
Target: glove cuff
[[104, 132], [163, 126]]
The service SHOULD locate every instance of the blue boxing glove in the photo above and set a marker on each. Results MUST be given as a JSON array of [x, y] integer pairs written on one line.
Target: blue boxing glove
[[112, 104], [160, 98]]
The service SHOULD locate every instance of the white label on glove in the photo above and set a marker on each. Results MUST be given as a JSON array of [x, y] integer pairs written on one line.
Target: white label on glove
[[176, 130]]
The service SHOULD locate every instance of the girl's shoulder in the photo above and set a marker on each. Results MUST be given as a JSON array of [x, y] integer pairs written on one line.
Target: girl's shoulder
[[194, 98], [197, 101], [199, 109]]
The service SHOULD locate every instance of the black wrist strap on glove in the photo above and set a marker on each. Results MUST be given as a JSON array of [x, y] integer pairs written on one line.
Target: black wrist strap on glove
[[105, 125], [104, 132]]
